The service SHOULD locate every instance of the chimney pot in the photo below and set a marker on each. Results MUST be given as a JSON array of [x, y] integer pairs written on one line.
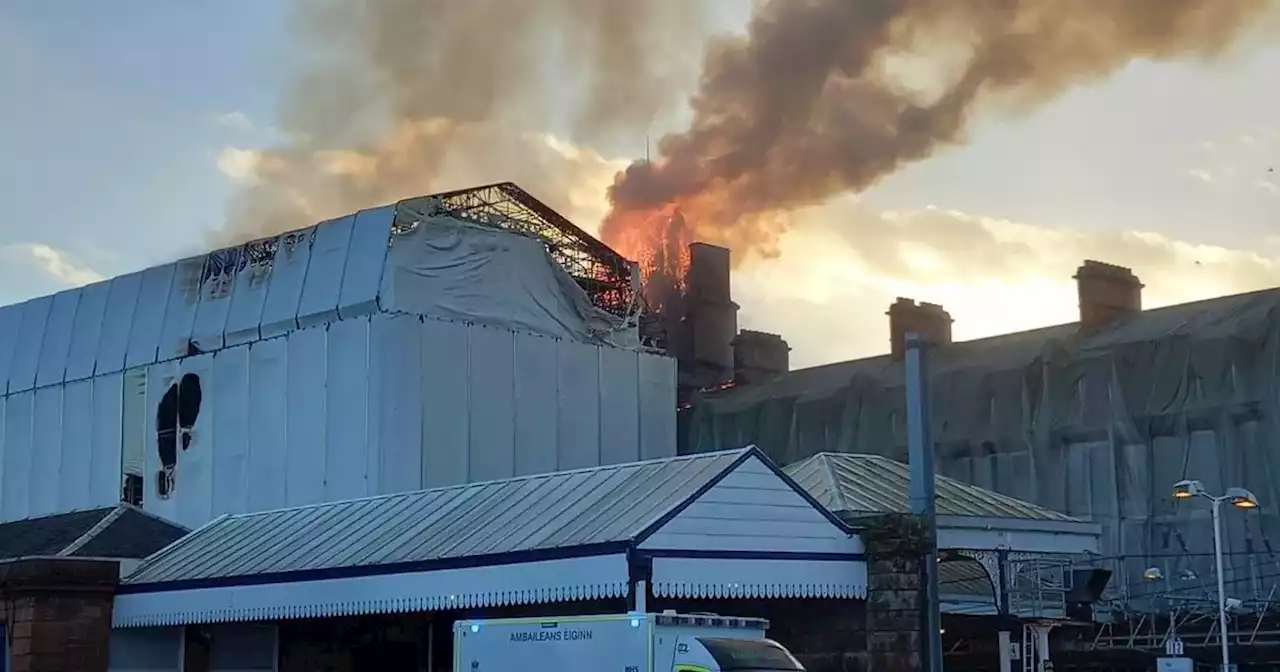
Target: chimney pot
[[759, 356], [928, 319], [1107, 292]]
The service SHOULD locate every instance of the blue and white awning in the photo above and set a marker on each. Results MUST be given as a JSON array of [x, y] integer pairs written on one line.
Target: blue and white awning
[[727, 524], [562, 580], [839, 577]]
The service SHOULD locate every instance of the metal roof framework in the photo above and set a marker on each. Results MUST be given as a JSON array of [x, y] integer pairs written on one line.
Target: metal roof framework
[[608, 279], [556, 537]]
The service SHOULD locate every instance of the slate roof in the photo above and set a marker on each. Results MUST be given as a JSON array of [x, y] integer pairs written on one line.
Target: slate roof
[[849, 483], [543, 513], [121, 531]]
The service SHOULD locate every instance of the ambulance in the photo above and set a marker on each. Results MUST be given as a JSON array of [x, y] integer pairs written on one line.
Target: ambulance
[[634, 642]]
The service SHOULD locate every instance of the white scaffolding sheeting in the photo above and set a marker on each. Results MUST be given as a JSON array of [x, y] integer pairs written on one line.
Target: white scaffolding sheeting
[[1096, 425]]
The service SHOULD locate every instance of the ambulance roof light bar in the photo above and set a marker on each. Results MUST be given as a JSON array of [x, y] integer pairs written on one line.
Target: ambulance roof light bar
[[668, 617]]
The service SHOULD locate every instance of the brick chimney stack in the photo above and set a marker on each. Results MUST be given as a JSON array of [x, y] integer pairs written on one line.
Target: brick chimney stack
[[704, 348], [906, 317], [759, 356], [1107, 292]]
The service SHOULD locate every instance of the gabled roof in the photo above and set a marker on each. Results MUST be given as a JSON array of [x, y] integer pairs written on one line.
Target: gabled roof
[[121, 531], [514, 520], [851, 484]]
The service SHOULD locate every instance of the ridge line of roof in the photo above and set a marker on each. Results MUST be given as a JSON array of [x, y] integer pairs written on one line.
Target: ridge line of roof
[[463, 486], [93, 531], [1001, 498], [704, 471], [828, 470]]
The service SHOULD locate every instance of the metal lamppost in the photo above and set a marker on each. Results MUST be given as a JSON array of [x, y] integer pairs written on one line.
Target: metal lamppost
[[923, 495], [1241, 499]]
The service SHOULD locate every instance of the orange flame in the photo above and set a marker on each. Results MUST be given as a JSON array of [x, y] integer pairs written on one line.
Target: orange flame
[[658, 240]]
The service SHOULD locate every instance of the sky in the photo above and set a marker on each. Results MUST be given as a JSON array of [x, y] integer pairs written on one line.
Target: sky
[[129, 128]]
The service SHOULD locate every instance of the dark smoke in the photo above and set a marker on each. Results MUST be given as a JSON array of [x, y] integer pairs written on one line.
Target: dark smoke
[[809, 104], [398, 98]]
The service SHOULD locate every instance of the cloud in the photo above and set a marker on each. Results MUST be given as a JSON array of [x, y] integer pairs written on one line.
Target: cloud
[[235, 120], [1267, 186], [291, 188], [842, 264], [1201, 174], [58, 264], [241, 165]]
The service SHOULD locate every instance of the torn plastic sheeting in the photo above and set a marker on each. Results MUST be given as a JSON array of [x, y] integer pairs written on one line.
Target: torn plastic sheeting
[[449, 269]]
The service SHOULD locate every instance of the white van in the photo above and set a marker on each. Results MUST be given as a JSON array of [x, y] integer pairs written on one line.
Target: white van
[[637, 642]]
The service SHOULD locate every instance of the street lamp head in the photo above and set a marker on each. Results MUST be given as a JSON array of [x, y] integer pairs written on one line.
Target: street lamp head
[[1187, 489], [1241, 498], [1152, 574]]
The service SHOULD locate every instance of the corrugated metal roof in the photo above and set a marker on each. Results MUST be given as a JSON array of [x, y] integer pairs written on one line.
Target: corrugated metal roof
[[534, 513], [850, 483]]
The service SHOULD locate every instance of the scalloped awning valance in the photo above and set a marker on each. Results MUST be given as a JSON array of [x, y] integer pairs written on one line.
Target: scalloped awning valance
[[521, 583]]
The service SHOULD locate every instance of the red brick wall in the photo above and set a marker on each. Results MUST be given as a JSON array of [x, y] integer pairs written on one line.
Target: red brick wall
[[58, 613]]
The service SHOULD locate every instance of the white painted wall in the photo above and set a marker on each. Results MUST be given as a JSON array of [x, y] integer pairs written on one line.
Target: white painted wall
[[309, 391], [752, 509]]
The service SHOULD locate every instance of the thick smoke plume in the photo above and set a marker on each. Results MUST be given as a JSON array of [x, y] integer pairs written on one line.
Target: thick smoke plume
[[399, 98], [828, 96]]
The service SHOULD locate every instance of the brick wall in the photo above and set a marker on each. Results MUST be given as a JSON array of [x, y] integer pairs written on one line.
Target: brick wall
[[58, 613], [894, 545]]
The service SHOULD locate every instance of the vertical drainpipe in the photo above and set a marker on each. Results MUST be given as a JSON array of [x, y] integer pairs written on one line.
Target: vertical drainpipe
[[923, 495], [1005, 622]]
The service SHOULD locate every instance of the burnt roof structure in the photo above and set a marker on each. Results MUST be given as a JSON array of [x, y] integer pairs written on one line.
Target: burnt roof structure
[[1096, 422], [608, 279]]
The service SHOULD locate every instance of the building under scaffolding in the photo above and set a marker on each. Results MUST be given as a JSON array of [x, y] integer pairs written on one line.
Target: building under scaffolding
[[441, 340], [1097, 419]]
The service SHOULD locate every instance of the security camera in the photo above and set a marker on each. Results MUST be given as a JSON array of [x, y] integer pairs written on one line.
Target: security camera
[[1233, 604]]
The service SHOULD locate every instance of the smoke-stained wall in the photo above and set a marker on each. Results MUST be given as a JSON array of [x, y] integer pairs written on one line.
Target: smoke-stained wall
[[274, 374]]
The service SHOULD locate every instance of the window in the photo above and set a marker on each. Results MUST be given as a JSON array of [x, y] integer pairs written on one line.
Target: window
[[130, 494], [757, 655]]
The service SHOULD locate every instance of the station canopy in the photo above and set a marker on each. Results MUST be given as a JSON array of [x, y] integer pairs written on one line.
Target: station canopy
[[722, 524]]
